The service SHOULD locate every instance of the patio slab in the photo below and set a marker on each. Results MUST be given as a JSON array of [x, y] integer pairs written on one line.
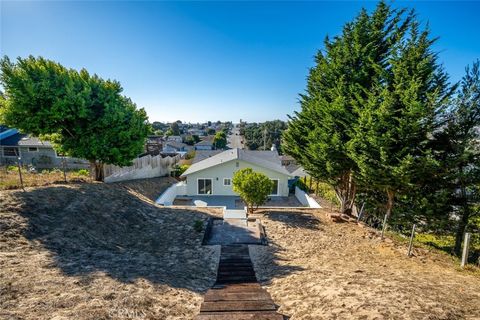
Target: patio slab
[[234, 231], [233, 202]]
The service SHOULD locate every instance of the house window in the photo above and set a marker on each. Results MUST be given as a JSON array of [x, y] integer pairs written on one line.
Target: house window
[[227, 182], [32, 149], [204, 186], [59, 154], [275, 188], [10, 152]]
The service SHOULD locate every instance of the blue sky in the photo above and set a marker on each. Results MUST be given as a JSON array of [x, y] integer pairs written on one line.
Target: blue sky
[[198, 61]]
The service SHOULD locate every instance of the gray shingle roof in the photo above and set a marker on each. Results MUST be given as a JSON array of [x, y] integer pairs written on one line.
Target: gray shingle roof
[[265, 159], [24, 140], [204, 154], [204, 143]]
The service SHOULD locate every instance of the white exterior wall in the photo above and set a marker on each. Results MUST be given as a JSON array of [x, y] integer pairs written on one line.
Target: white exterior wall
[[305, 199], [168, 196], [226, 170]]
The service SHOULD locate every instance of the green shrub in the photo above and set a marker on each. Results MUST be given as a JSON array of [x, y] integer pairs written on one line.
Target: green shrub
[[12, 168], [198, 225], [178, 170], [83, 172]]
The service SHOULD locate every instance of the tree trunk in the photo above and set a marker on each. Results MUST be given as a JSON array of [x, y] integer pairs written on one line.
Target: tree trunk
[[388, 213], [462, 224], [345, 191], [390, 201], [97, 167]]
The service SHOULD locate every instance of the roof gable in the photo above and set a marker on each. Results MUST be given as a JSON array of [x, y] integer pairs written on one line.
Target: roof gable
[[262, 160]]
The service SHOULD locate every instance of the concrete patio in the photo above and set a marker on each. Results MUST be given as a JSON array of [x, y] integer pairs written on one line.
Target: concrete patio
[[233, 202]]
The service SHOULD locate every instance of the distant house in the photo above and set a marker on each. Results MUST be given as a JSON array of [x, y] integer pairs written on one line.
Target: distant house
[[173, 146], [197, 132], [174, 139], [213, 175], [204, 145], [204, 154], [32, 151]]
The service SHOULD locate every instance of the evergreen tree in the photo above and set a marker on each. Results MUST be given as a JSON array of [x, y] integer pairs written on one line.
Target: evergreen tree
[[458, 151], [397, 117], [345, 72]]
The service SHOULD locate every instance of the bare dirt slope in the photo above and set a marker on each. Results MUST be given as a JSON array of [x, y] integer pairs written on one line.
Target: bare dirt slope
[[317, 269], [149, 188], [99, 251]]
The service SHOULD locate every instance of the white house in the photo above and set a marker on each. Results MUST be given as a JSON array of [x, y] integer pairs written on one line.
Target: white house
[[213, 175]]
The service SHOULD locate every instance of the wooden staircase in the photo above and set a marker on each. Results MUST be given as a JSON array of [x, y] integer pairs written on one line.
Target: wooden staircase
[[236, 294]]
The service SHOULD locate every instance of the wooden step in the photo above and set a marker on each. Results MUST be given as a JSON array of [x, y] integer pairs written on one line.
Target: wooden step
[[223, 306], [236, 295], [265, 315], [218, 295]]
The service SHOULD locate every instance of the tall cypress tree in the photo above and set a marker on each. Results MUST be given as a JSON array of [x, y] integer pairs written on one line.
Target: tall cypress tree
[[397, 119], [346, 70], [458, 150]]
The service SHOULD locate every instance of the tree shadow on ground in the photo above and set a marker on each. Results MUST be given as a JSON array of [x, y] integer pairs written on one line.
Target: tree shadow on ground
[[93, 227], [294, 218], [268, 260]]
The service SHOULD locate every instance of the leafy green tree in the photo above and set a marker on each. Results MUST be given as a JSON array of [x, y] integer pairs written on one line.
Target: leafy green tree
[[347, 69], [189, 140], [264, 135], [220, 140], [175, 128], [457, 147], [253, 187], [83, 115], [195, 138], [211, 131]]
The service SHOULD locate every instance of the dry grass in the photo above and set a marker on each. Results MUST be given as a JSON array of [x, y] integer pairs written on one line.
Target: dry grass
[[107, 251], [9, 178], [99, 251], [317, 269]]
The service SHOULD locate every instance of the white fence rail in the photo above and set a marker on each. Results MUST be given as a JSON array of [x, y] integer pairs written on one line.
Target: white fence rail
[[144, 167], [305, 199]]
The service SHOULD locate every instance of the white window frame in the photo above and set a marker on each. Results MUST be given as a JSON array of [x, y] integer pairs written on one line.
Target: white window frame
[[278, 187], [198, 189], [9, 156], [229, 180]]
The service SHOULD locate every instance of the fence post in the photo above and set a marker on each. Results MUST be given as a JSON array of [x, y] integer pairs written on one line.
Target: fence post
[[466, 244], [20, 172], [64, 169], [361, 212], [384, 227], [410, 244]]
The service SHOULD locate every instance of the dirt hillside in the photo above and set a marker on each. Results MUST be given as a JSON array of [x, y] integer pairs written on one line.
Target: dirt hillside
[[317, 269], [99, 251]]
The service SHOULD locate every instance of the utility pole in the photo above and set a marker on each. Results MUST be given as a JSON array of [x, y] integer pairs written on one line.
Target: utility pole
[[265, 139]]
